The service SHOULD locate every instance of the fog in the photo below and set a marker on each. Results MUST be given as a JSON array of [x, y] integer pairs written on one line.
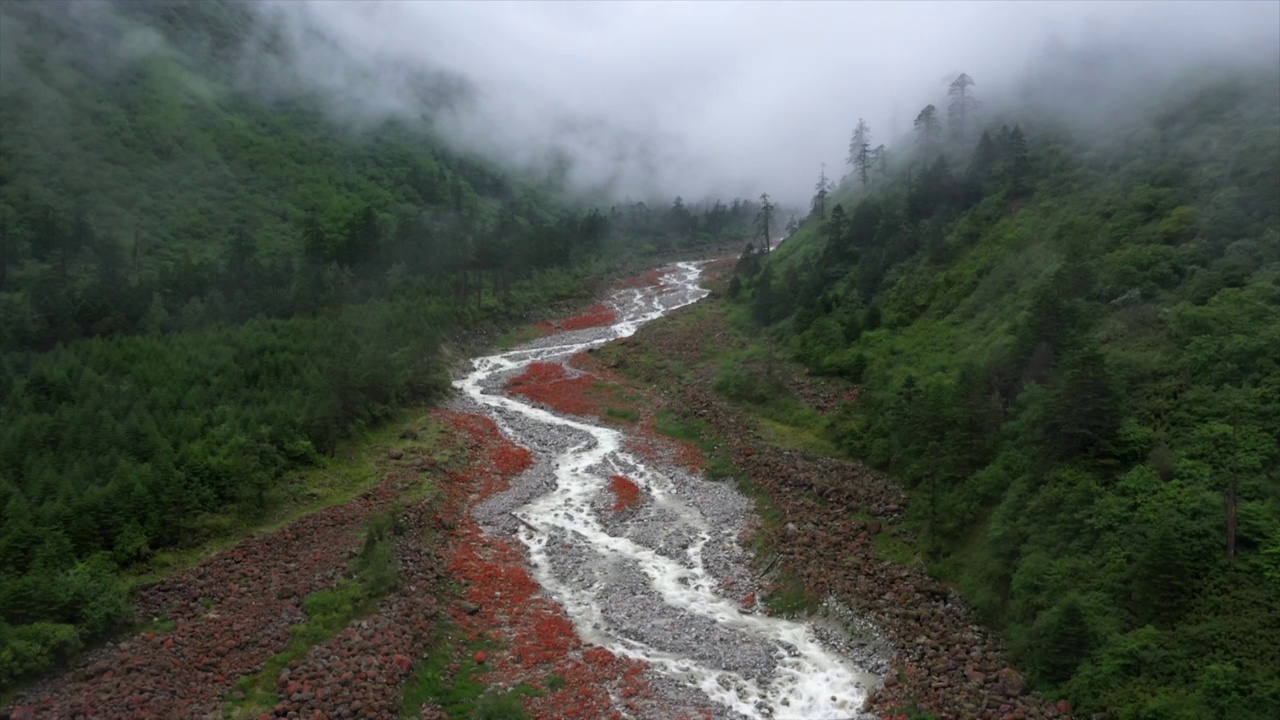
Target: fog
[[721, 98], [725, 99]]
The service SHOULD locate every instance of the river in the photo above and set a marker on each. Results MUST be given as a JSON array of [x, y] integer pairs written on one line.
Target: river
[[651, 584]]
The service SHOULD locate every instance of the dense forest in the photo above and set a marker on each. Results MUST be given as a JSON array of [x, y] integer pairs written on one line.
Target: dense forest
[[1067, 351], [204, 286]]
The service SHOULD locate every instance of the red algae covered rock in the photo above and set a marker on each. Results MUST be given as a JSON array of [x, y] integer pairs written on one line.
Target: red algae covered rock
[[504, 601], [626, 493], [652, 278], [551, 385], [596, 316]]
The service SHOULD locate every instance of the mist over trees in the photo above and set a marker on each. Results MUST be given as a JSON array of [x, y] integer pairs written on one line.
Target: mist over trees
[[860, 154], [1063, 350], [233, 235], [961, 106], [202, 292]]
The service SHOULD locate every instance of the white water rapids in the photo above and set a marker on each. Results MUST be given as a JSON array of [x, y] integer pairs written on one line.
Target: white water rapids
[[645, 587]]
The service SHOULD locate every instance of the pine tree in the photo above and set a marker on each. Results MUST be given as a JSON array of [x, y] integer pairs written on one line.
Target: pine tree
[[764, 219], [984, 159], [962, 105], [762, 311], [1085, 414], [822, 189], [880, 161], [1018, 163], [1063, 642], [315, 242], [860, 151], [926, 124]]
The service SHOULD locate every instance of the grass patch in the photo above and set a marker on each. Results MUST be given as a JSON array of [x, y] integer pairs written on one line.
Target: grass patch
[[694, 430], [788, 598], [159, 626], [719, 466], [456, 693], [623, 415], [797, 437], [688, 429], [328, 613], [462, 693], [890, 545], [913, 712]]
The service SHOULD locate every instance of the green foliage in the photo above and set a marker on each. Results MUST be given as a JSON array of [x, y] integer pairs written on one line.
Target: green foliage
[[376, 567], [35, 648], [1067, 361], [450, 678], [203, 291], [500, 706]]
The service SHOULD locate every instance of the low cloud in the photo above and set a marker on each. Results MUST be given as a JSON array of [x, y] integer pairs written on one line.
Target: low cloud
[[719, 98]]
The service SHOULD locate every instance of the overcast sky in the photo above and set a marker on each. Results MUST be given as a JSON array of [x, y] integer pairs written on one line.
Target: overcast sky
[[733, 98]]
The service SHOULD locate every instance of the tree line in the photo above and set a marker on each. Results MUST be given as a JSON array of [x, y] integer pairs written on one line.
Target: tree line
[[1066, 356], [202, 293]]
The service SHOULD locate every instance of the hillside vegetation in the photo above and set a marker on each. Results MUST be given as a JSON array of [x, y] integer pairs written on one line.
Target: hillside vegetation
[[1068, 347], [206, 282]]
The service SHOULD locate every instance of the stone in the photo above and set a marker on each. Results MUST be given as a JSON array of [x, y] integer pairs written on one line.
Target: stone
[[1010, 682]]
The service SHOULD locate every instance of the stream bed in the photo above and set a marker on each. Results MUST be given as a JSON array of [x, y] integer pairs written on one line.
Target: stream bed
[[652, 583]]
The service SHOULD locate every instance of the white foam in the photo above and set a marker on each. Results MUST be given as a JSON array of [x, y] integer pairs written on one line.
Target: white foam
[[809, 681]]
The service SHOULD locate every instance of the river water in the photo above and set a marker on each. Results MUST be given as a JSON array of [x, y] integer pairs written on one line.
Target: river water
[[651, 584]]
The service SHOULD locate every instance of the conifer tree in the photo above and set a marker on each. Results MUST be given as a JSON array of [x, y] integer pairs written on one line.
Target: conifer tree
[[860, 156], [822, 189], [764, 219], [962, 104], [926, 125]]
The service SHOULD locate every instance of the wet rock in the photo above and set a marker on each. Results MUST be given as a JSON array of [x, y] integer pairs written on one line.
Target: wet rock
[[1010, 683]]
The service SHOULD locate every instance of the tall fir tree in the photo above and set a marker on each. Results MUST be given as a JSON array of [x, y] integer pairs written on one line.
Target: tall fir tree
[[961, 106], [927, 129], [860, 151]]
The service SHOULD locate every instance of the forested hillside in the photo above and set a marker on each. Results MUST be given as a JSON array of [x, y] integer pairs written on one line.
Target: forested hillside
[[1068, 351], [206, 282]]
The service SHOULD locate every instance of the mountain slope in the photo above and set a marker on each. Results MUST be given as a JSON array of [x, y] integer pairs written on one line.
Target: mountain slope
[[1066, 351], [207, 281]]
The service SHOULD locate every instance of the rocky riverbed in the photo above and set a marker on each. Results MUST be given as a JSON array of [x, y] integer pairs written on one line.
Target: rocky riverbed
[[606, 575], [661, 578], [829, 515]]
